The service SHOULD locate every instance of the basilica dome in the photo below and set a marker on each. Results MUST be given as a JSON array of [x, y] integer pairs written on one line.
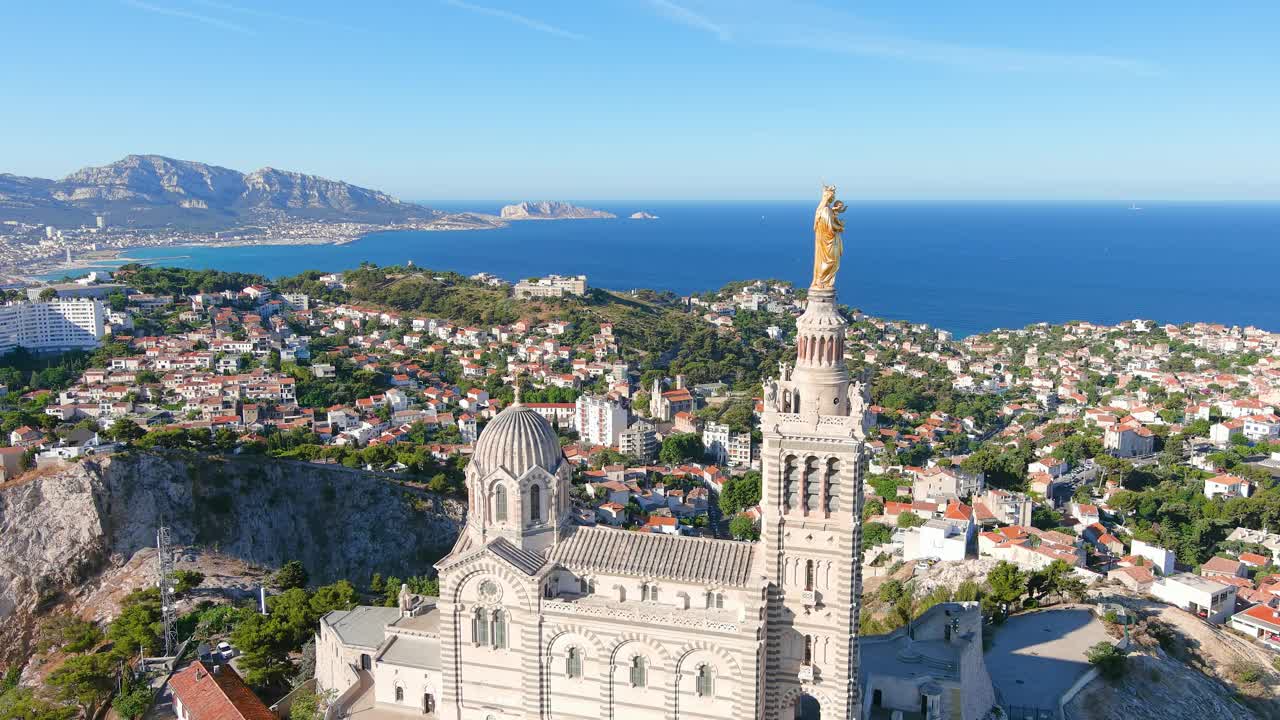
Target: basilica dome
[[517, 439]]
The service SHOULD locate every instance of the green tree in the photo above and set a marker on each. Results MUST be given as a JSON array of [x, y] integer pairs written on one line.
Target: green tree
[[910, 520], [308, 705], [338, 596], [134, 698], [874, 533], [138, 624], [291, 575], [264, 644], [86, 680], [681, 447], [1005, 586], [890, 591], [187, 580], [124, 430], [742, 527], [740, 493]]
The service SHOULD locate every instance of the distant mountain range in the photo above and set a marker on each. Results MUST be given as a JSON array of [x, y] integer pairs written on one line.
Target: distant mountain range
[[551, 211], [151, 191]]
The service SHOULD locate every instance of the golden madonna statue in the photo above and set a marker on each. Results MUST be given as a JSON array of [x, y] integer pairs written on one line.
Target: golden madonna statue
[[828, 245]]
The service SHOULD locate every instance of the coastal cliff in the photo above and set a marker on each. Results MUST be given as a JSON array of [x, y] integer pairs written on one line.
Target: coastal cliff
[[551, 211], [60, 530]]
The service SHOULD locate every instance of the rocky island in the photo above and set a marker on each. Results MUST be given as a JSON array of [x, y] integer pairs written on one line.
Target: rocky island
[[552, 210], [641, 215]]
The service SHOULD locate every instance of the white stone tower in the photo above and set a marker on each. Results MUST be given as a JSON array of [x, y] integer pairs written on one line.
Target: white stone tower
[[814, 429]]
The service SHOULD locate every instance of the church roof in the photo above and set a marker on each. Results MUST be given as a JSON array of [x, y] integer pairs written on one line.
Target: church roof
[[423, 653], [526, 562], [517, 439], [674, 557], [362, 625]]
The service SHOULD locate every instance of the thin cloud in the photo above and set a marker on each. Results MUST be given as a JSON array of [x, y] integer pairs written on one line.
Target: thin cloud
[[766, 24], [187, 15], [685, 16], [515, 18], [955, 55], [295, 19]]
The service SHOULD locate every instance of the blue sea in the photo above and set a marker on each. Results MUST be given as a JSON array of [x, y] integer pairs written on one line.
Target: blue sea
[[963, 267]]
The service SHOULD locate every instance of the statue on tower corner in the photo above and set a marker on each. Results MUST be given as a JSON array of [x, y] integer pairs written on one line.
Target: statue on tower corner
[[828, 245]]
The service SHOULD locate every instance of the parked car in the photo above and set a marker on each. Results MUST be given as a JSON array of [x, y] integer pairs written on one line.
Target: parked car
[[226, 651]]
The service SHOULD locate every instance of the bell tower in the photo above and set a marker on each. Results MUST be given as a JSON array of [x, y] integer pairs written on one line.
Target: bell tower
[[812, 467]]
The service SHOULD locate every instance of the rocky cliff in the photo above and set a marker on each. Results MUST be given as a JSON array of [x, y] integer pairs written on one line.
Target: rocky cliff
[[551, 211], [60, 530], [152, 190]]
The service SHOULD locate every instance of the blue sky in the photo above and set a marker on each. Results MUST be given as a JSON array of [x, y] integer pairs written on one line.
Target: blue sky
[[661, 99]]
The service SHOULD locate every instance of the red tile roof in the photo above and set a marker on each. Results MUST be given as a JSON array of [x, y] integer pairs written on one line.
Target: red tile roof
[[216, 696]]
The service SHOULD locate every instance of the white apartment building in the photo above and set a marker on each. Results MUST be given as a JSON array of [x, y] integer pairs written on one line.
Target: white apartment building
[[552, 286], [935, 539], [599, 420], [1161, 559], [1226, 485], [1207, 599], [639, 441], [52, 326], [726, 447]]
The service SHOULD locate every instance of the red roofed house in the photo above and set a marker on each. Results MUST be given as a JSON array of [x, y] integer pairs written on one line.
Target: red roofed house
[[1220, 566], [1128, 440], [214, 692], [1261, 622], [1228, 486], [1253, 559], [664, 525], [1138, 578]]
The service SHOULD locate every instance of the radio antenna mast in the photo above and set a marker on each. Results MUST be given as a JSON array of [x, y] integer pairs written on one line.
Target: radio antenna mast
[[168, 612]]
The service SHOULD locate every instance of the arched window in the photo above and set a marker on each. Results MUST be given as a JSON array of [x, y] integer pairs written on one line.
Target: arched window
[[638, 667], [500, 504], [535, 503], [399, 694], [808, 574], [499, 630], [789, 483], [480, 627], [649, 592], [704, 687], [808, 649], [833, 486], [573, 663], [812, 486]]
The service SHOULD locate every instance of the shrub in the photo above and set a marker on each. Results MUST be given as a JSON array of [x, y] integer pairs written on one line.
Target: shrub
[[1245, 672], [1109, 660]]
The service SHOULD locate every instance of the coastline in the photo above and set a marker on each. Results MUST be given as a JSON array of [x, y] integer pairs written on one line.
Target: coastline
[[110, 258]]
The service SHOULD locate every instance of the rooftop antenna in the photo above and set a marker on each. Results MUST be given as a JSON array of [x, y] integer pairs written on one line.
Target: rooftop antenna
[[168, 613]]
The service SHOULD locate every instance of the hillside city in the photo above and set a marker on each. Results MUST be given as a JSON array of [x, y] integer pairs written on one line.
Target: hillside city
[[1131, 465]]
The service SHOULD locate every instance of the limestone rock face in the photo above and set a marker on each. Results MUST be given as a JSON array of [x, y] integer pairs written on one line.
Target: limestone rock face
[[551, 211], [153, 190], [59, 530]]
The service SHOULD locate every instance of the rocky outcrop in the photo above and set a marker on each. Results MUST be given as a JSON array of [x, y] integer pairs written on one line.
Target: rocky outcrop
[[641, 215], [551, 211], [59, 531], [152, 190]]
